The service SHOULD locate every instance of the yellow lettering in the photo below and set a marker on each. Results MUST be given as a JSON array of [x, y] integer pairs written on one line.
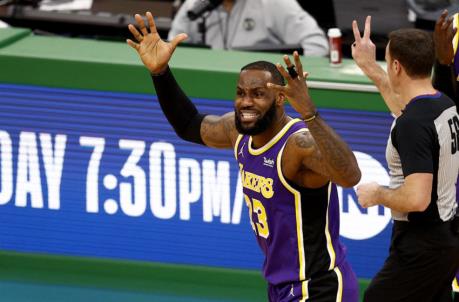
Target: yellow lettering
[[267, 189], [257, 183]]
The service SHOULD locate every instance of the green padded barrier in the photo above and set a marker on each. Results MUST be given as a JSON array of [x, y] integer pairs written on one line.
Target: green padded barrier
[[11, 35], [113, 66]]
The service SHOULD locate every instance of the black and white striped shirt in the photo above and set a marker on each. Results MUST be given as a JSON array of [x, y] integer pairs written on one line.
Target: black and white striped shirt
[[425, 139]]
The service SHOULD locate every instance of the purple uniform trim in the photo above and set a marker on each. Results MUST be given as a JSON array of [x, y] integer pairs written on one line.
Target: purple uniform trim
[[339, 284]]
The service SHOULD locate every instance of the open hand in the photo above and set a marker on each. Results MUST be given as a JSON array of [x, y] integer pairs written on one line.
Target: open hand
[[296, 90], [154, 52]]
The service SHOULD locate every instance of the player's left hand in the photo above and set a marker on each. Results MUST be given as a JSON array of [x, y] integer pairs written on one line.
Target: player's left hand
[[296, 90], [368, 194]]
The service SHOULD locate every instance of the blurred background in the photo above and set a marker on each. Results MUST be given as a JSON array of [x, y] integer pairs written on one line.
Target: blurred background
[[101, 201], [108, 19]]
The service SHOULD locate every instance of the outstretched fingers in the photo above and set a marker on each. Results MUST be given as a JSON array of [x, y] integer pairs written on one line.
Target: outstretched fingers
[[134, 45], [367, 30], [282, 70], [135, 33], [178, 39], [151, 22], [292, 71], [284, 73], [275, 87], [356, 31], [141, 23], [299, 66], [287, 61]]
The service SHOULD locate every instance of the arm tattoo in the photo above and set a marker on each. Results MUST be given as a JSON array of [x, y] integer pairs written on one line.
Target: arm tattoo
[[218, 131], [304, 140], [336, 155], [209, 127], [313, 159]]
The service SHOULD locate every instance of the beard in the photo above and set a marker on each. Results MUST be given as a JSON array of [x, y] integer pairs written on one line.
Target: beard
[[261, 124]]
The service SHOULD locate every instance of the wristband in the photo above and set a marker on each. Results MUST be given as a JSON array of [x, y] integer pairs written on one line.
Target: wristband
[[311, 118]]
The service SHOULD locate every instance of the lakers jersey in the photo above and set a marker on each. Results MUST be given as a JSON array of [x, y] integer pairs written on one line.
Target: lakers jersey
[[296, 228]]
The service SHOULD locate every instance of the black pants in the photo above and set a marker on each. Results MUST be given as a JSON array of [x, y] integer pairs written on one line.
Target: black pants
[[421, 265]]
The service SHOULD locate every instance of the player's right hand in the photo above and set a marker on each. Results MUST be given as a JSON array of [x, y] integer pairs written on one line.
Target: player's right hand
[[154, 52]]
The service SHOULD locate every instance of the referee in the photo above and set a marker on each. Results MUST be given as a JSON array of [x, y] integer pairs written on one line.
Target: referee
[[446, 70], [423, 158]]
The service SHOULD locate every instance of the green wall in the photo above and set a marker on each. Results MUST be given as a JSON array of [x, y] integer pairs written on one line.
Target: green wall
[[110, 66]]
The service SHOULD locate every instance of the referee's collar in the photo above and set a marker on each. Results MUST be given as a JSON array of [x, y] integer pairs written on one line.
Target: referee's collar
[[435, 95]]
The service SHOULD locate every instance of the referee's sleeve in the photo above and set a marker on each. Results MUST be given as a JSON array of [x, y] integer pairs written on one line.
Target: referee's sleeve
[[416, 145]]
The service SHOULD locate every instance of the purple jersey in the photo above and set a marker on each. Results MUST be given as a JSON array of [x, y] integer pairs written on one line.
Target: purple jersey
[[296, 228]]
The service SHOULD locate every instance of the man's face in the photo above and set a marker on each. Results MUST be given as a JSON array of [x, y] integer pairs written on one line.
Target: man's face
[[255, 104]]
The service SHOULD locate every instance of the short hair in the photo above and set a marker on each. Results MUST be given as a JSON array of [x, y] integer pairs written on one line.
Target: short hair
[[414, 49], [266, 66]]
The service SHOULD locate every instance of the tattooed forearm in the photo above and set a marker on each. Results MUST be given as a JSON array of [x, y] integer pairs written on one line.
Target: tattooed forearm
[[313, 159], [336, 154]]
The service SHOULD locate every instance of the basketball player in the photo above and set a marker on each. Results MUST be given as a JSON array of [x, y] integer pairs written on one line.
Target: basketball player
[[288, 171]]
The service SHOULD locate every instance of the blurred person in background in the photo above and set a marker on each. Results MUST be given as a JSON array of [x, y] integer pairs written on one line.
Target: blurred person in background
[[253, 23], [423, 157], [3, 24], [446, 70], [288, 168]]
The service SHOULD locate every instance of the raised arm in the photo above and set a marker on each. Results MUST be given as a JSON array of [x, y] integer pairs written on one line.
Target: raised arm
[[181, 113], [322, 151], [444, 78], [364, 54]]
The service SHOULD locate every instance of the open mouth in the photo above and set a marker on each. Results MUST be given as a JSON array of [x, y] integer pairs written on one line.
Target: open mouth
[[247, 116]]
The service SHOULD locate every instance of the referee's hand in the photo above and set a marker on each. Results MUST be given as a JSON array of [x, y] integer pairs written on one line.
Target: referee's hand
[[363, 49], [154, 52], [367, 194]]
